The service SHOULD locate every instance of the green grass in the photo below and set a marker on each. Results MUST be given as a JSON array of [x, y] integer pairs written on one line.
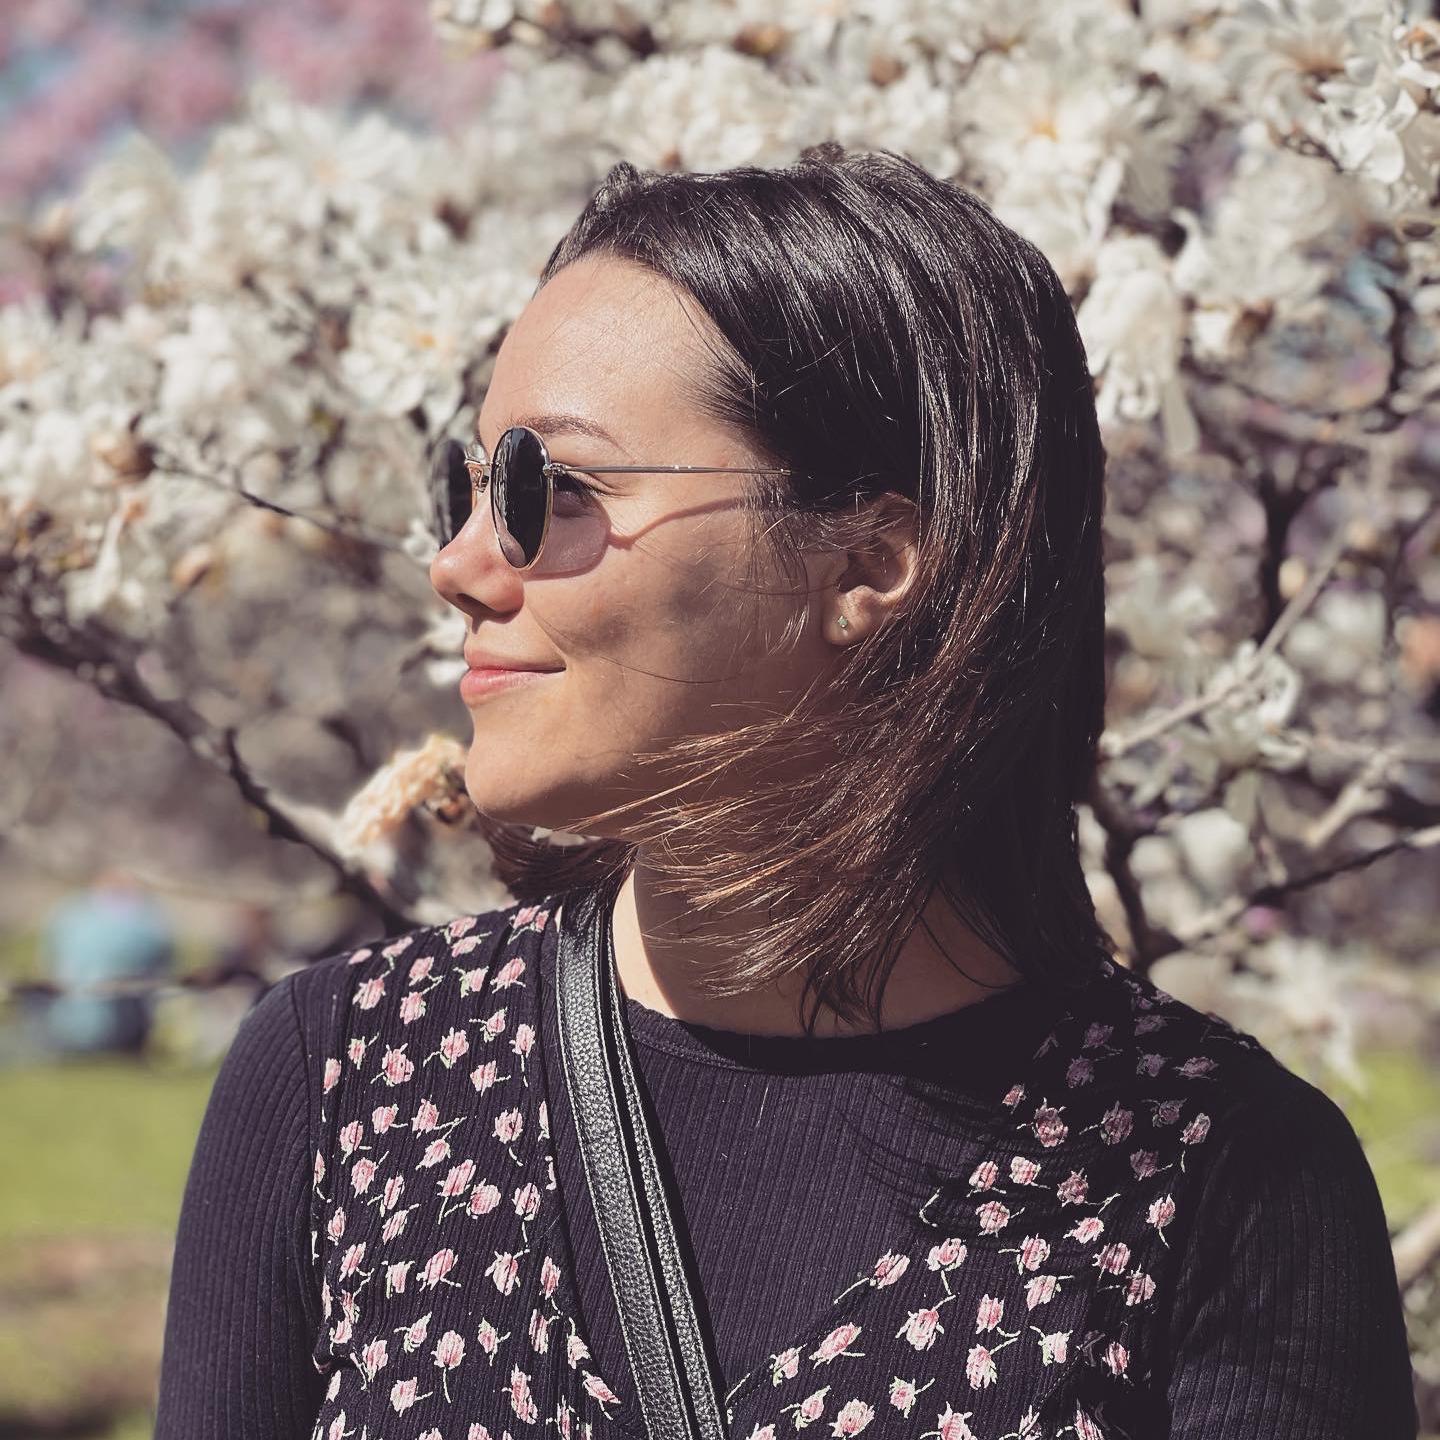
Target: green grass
[[98, 1146], [1398, 1122]]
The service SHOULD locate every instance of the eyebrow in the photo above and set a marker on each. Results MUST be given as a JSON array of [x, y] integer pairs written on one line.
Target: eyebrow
[[563, 422]]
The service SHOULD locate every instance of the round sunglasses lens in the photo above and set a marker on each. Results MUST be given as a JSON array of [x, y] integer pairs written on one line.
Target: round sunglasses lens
[[449, 490], [518, 495]]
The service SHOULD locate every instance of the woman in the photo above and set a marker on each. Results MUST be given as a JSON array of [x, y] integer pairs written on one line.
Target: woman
[[822, 704]]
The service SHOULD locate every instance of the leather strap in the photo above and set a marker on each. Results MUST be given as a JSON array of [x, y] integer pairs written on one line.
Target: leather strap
[[678, 1396]]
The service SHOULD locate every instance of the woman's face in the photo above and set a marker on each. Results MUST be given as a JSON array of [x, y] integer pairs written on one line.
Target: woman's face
[[660, 637]]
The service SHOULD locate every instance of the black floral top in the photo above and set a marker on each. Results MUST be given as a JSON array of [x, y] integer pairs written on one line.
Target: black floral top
[[1078, 1240]]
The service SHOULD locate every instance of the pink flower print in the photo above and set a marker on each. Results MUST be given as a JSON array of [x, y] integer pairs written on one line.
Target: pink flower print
[[785, 1365], [1196, 1066], [489, 1339], [1023, 1171], [549, 1277], [509, 1125], [382, 1117], [946, 1255], [1034, 1252], [1144, 1163], [453, 1047], [398, 947], [390, 1196], [340, 1334], [332, 1076], [852, 1417], [1073, 1189], [369, 992], [1053, 1348], [436, 1268], [1150, 1064], [597, 1389], [395, 1067], [888, 1269], [1080, 1071], [921, 1327], [395, 1225], [509, 973], [903, 1394], [335, 1227], [540, 1331], [980, 1368], [520, 1398], [1116, 1358], [1040, 1291], [351, 1261], [458, 1179], [952, 1425], [1167, 1112], [412, 1007], [362, 1172], [503, 1270], [762, 1432], [1013, 1096], [1096, 1034], [461, 925], [465, 946], [395, 1276], [993, 1216], [988, 1313], [1086, 1428], [1161, 1213], [420, 969], [1144, 1024], [374, 1358], [436, 1152], [318, 1170], [543, 1119], [836, 1343], [495, 1025], [483, 1198], [1113, 1258], [473, 980], [524, 1040], [1087, 1229], [1049, 1128], [984, 1175], [527, 1201], [1196, 1130], [576, 1349], [350, 1305], [1116, 1124], [482, 1077], [525, 916], [403, 1396], [1140, 1289], [360, 956], [810, 1409], [355, 1051], [449, 1352]]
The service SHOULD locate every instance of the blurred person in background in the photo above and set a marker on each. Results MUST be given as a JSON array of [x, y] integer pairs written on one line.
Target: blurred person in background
[[113, 930]]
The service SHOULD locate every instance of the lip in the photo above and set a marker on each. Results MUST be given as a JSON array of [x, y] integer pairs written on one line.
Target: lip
[[480, 681], [479, 660]]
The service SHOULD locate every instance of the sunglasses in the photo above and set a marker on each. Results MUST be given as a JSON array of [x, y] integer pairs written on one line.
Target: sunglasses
[[539, 508]]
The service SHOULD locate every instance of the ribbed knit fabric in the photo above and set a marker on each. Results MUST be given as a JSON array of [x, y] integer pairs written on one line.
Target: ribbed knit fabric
[[792, 1164]]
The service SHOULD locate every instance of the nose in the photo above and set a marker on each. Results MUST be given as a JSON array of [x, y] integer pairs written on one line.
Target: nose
[[471, 573]]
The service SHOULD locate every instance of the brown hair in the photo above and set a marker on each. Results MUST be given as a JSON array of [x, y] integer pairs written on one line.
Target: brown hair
[[885, 334]]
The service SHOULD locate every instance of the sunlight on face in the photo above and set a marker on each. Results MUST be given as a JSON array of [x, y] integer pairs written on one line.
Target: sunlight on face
[[659, 637]]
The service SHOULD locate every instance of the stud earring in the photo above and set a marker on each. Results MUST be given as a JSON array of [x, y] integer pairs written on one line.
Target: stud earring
[[844, 623]]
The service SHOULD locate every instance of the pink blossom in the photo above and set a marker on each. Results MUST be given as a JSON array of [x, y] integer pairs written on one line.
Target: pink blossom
[[395, 1067], [993, 1216], [382, 1117], [852, 1417], [362, 1172], [837, 1342], [369, 992], [457, 1179], [450, 1350], [921, 1327], [502, 1270], [888, 1269], [484, 1198], [980, 1368], [436, 1268]]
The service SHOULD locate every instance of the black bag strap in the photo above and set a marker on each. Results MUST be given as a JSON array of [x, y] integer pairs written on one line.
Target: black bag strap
[[678, 1395]]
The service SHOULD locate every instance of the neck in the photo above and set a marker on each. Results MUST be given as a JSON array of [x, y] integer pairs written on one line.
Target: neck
[[660, 967]]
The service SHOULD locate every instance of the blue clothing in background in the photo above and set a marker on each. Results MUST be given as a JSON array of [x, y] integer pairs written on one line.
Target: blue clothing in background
[[97, 936]]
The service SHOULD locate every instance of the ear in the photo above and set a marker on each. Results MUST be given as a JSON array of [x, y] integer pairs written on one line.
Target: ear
[[877, 573]]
